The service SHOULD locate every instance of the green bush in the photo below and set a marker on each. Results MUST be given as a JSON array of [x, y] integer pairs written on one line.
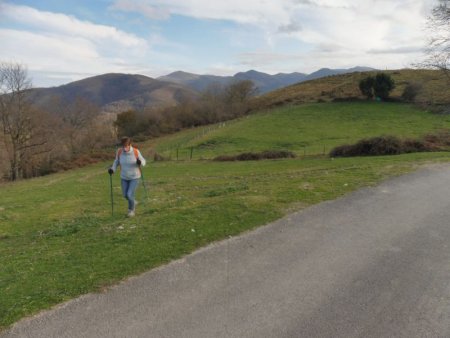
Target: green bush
[[366, 87], [379, 86], [383, 85]]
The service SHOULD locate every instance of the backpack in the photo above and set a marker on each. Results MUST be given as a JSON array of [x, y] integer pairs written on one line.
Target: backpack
[[135, 150], [136, 154]]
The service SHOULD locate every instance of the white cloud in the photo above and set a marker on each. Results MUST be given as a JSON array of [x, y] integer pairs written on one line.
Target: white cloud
[[246, 12], [70, 48], [284, 35], [67, 25], [329, 29], [141, 7]]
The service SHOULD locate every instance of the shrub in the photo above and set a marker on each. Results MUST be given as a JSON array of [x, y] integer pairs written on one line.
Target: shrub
[[383, 85], [347, 99], [411, 91], [414, 146], [380, 86], [442, 138], [366, 87], [382, 145], [268, 154]]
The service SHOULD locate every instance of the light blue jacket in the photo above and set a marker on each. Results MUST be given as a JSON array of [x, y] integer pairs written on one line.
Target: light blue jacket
[[129, 170]]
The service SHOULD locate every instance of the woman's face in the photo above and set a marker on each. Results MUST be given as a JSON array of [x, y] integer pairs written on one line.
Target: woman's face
[[126, 147]]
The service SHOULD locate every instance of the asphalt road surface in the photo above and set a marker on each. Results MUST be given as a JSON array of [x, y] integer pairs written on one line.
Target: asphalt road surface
[[375, 263]]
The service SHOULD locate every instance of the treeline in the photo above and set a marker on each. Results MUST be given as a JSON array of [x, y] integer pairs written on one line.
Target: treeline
[[34, 142], [216, 104]]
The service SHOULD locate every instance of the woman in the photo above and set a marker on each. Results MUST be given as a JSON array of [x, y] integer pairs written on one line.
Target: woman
[[130, 161]]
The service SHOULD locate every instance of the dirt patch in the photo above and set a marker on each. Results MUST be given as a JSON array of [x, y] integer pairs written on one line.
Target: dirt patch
[[307, 186], [4, 237]]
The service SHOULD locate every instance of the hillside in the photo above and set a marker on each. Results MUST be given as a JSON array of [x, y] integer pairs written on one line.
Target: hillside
[[435, 88], [108, 91], [195, 81], [58, 239], [324, 72], [309, 129]]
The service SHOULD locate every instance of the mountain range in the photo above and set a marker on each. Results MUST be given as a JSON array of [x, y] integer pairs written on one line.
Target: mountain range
[[119, 92], [264, 82]]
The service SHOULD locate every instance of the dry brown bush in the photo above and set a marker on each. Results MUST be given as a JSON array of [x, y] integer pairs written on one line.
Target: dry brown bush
[[391, 145], [268, 154]]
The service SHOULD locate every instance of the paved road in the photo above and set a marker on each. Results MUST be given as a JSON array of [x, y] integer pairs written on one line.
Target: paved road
[[373, 264]]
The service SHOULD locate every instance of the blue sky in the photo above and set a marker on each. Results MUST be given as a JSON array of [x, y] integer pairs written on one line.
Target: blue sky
[[66, 40]]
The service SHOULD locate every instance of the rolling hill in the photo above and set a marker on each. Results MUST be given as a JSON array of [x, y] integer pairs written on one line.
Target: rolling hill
[[114, 91], [435, 88], [195, 81]]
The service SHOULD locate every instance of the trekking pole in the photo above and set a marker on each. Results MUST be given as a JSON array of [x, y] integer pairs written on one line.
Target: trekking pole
[[143, 183], [112, 197]]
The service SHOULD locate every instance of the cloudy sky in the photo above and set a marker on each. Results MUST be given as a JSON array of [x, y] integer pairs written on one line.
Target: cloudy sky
[[66, 40]]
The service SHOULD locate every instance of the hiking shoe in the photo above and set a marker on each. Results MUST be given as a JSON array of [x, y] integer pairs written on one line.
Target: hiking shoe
[[130, 213]]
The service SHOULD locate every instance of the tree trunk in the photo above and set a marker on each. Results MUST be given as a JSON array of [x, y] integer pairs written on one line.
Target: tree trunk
[[15, 169]]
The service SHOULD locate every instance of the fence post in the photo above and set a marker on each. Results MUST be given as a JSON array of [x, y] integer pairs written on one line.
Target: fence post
[[177, 154], [192, 150]]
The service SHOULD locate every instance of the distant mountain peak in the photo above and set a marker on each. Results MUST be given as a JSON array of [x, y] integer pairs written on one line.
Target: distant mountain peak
[[180, 73], [179, 77], [252, 71]]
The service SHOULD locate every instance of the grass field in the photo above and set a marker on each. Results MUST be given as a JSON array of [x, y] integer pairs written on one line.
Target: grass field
[[58, 239], [309, 129]]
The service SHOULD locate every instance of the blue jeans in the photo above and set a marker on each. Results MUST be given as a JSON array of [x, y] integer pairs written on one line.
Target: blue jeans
[[128, 190]]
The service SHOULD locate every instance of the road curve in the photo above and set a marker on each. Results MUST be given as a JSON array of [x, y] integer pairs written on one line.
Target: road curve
[[375, 263]]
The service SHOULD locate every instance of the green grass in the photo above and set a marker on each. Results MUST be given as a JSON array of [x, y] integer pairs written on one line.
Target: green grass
[[58, 239], [307, 129]]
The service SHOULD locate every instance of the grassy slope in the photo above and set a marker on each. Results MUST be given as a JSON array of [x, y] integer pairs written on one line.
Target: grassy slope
[[58, 240], [309, 129], [435, 88]]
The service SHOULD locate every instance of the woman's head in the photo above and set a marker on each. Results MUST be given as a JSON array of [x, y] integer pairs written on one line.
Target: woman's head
[[125, 141]]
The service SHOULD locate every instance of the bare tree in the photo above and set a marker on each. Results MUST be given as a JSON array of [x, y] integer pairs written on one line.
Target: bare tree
[[438, 51], [79, 118], [212, 103], [16, 119], [25, 130], [45, 138], [236, 97]]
